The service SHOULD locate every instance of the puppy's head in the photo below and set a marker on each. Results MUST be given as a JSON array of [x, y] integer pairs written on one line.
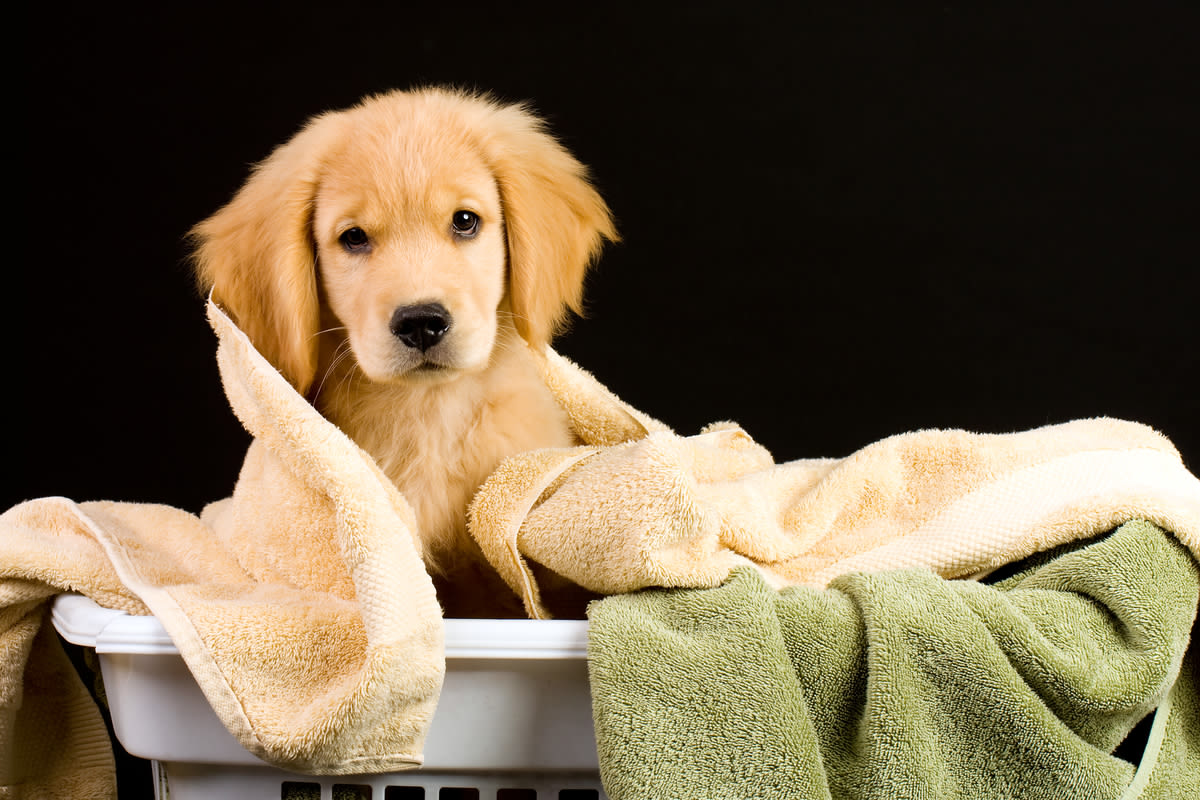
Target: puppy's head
[[424, 220]]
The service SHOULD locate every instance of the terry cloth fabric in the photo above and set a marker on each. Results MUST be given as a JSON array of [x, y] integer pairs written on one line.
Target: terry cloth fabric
[[638, 506], [900, 684], [300, 604]]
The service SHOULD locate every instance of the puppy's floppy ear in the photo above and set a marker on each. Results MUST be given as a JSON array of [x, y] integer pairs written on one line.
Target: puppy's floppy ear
[[555, 221], [257, 254]]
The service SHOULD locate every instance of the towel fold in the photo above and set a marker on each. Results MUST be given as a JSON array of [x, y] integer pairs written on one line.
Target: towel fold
[[642, 506], [900, 684], [300, 604]]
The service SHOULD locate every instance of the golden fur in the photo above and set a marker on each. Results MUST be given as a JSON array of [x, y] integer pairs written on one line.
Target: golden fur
[[400, 168]]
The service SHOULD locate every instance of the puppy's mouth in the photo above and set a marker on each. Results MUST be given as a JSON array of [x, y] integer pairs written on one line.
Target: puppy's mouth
[[428, 369]]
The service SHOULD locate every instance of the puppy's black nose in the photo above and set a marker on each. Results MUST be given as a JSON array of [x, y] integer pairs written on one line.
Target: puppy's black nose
[[422, 326]]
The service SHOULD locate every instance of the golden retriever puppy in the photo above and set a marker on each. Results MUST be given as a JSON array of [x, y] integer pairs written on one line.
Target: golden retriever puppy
[[397, 262]]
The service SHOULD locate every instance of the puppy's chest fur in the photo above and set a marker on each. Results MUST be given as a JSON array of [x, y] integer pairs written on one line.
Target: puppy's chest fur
[[438, 442]]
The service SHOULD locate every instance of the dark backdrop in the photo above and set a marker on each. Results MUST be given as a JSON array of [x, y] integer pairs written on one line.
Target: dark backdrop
[[837, 226]]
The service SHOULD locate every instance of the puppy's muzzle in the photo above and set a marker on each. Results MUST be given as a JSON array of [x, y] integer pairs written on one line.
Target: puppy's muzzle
[[420, 326]]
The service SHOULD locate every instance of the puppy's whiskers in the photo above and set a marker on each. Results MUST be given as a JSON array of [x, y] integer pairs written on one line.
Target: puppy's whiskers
[[340, 354], [351, 378], [329, 330], [505, 346]]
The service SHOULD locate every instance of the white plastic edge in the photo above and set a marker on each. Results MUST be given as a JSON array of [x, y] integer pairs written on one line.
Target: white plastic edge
[[78, 620], [1158, 731], [81, 621], [516, 638]]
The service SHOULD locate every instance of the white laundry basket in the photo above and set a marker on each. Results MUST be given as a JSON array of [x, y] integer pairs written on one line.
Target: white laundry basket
[[513, 723]]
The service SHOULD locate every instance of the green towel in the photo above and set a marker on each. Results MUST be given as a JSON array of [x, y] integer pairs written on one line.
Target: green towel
[[905, 685]]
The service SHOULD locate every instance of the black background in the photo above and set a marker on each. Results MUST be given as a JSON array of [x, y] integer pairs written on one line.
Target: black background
[[837, 225]]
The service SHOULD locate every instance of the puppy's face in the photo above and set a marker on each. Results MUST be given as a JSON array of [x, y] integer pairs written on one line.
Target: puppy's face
[[437, 218], [411, 251]]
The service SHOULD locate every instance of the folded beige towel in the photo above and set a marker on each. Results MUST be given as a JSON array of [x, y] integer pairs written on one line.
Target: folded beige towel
[[300, 604], [640, 506]]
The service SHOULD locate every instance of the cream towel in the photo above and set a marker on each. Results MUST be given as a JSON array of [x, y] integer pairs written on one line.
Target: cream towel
[[300, 604], [639, 506]]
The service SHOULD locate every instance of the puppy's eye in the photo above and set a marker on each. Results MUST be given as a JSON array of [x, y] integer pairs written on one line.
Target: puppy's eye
[[354, 239], [465, 223]]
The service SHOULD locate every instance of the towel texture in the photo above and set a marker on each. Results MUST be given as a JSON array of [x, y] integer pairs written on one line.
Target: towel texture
[[900, 684], [640, 506], [300, 603]]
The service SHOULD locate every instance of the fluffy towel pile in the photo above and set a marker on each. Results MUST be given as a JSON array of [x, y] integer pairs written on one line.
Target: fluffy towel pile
[[303, 610]]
